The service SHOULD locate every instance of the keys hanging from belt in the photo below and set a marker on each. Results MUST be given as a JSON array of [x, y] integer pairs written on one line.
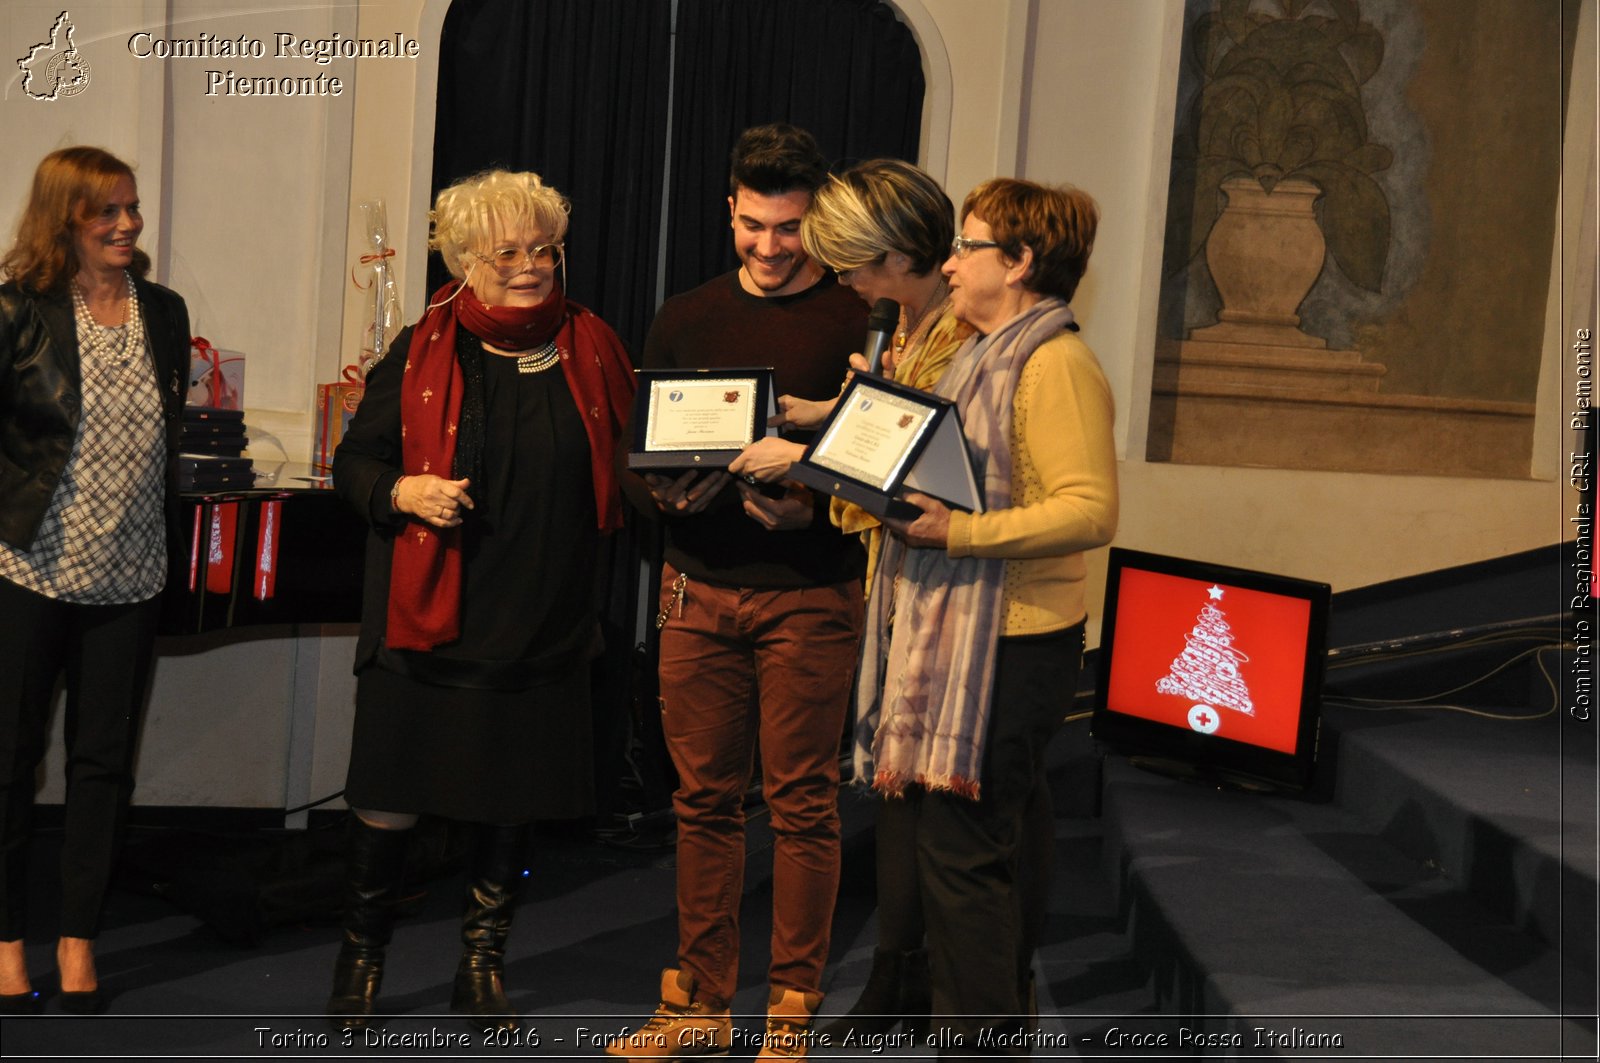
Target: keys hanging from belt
[[679, 585]]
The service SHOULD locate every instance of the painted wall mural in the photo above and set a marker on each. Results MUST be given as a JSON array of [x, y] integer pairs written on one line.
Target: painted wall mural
[[1359, 234]]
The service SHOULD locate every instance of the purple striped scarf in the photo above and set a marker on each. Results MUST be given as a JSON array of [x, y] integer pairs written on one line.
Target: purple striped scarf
[[922, 700]]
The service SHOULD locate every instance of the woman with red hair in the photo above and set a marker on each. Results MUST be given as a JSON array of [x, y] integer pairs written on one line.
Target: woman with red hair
[[92, 360]]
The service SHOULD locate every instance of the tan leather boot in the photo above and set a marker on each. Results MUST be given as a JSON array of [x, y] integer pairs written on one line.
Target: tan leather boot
[[789, 1014], [682, 1027]]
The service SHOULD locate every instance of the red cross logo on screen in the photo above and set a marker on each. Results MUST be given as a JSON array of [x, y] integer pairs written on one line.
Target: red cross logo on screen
[[1204, 718]]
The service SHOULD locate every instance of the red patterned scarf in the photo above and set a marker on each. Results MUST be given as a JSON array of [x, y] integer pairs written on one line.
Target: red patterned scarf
[[425, 578]]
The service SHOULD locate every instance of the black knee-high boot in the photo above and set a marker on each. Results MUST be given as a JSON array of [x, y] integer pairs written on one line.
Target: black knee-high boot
[[896, 993], [898, 989], [496, 878], [374, 863]]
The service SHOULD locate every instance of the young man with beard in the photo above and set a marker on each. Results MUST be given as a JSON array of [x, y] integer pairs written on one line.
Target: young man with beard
[[762, 600]]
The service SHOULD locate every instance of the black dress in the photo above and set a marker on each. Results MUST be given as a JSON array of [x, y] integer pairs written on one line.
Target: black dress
[[495, 727]]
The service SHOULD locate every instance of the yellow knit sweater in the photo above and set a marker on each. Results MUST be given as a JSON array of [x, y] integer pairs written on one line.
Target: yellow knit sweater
[[1064, 490]]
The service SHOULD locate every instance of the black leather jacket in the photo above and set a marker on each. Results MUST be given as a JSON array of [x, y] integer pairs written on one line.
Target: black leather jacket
[[41, 402]]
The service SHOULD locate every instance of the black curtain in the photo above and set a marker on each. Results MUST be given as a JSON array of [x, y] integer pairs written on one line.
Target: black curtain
[[575, 91], [847, 70]]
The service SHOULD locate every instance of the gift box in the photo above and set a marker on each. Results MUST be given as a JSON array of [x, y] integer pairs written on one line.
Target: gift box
[[336, 405], [216, 376], [213, 430], [337, 402], [214, 472]]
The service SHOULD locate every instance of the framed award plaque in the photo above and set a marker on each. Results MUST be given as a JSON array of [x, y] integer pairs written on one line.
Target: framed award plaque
[[698, 418], [883, 437]]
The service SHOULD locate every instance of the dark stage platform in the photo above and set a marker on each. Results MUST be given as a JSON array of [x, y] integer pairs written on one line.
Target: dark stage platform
[[1434, 897]]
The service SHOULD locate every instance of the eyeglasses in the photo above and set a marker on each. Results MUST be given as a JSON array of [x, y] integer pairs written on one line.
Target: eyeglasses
[[961, 247], [508, 261], [845, 272]]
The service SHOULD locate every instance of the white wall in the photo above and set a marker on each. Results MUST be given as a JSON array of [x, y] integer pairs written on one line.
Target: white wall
[[251, 208], [122, 109], [245, 203]]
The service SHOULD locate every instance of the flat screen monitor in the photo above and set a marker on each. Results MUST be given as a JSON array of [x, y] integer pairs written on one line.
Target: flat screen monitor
[[1211, 671]]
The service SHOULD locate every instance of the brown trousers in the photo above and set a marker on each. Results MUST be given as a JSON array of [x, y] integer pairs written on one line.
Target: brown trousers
[[743, 668]]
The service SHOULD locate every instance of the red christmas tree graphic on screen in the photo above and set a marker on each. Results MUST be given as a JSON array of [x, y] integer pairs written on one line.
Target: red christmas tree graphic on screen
[[1207, 671], [1209, 657]]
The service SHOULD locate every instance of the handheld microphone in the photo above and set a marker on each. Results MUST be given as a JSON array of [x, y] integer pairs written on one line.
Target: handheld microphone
[[880, 326]]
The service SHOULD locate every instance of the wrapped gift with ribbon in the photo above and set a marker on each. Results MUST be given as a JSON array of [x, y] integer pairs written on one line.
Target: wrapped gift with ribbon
[[337, 402], [336, 405], [216, 377], [383, 312]]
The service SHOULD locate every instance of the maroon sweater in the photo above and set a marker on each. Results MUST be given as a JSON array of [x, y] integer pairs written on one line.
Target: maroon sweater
[[807, 338]]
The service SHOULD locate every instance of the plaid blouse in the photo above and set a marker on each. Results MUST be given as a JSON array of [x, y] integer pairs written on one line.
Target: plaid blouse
[[103, 538]]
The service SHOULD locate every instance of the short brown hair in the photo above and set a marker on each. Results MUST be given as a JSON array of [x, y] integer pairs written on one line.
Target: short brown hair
[[69, 188], [775, 159], [1057, 224]]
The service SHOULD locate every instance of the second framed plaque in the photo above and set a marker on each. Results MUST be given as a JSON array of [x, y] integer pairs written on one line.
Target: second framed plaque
[[882, 437]]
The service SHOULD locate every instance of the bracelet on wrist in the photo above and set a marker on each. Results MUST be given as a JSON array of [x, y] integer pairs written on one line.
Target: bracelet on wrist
[[394, 495]]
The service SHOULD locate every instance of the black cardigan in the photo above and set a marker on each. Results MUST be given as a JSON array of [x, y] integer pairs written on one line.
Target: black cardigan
[[41, 399]]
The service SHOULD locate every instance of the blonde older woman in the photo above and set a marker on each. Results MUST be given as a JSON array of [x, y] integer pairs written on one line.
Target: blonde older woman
[[482, 456]]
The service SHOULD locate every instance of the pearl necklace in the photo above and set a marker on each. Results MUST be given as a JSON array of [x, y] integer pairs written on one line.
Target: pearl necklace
[[100, 343], [539, 359]]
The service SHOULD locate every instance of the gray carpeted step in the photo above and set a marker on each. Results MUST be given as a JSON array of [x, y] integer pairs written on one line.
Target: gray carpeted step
[[1504, 808], [1273, 913]]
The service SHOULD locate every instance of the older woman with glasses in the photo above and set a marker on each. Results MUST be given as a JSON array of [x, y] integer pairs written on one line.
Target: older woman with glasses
[[975, 624], [481, 454]]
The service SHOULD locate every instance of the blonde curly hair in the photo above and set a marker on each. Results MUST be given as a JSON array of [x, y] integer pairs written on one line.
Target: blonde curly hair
[[470, 214]]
